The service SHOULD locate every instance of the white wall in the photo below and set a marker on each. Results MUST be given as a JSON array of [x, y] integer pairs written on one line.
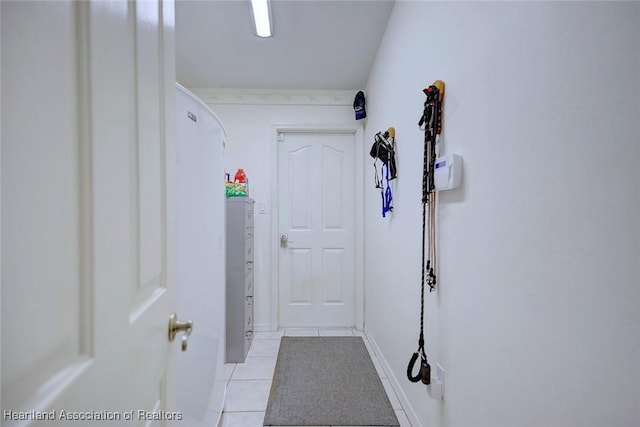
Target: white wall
[[537, 317], [250, 139]]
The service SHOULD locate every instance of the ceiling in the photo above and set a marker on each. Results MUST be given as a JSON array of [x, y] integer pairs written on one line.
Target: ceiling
[[317, 44]]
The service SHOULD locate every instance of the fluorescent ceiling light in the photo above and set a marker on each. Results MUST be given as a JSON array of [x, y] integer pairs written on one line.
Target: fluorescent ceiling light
[[261, 17]]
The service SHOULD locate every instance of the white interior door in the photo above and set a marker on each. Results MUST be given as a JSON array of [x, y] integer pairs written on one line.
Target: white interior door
[[88, 238], [317, 215], [201, 259]]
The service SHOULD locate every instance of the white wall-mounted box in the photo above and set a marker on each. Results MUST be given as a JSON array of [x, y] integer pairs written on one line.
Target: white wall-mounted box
[[448, 172]]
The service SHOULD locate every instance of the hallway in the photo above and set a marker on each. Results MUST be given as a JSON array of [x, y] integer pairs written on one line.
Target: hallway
[[249, 383], [536, 315]]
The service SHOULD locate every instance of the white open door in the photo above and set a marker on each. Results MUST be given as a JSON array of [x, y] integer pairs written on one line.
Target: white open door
[[88, 217], [317, 211]]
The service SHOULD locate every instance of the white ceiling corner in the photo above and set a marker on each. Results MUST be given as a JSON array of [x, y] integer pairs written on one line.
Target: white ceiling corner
[[274, 96]]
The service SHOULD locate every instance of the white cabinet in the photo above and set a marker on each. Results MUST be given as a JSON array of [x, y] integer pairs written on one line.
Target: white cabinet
[[239, 278], [201, 259]]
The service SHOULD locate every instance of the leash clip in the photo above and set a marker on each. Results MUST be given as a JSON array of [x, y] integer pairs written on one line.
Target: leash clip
[[425, 371], [424, 374]]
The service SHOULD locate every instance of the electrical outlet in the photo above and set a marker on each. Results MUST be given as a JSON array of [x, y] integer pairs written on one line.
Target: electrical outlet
[[436, 388], [440, 376]]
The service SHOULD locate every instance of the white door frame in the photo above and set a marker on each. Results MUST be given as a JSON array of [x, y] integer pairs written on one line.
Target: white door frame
[[0, 196], [358, 193]]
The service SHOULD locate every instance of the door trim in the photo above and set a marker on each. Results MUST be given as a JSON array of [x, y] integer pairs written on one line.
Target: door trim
[[1, 285], [357, 130]]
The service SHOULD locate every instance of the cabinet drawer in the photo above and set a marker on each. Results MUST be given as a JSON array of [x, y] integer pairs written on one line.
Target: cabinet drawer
[[249, 215], [248, 285], [248, 321], [249, 251], [248, 314], [248, 338]]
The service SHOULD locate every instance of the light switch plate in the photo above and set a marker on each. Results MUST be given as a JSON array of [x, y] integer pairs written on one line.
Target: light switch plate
[[436, 388]]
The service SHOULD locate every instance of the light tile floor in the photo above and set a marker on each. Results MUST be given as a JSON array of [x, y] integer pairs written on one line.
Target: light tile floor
[[250, 382]]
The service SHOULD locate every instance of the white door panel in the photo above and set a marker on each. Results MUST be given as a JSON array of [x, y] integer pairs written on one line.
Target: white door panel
[[317, 272], [88, 275], [149, 148], [43, 207]]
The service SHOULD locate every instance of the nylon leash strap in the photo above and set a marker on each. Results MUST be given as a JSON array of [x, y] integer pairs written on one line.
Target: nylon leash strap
[[432, 121], [384, 149]]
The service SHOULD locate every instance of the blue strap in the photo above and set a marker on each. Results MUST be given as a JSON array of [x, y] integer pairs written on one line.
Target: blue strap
[[387, 200], [387, 197]]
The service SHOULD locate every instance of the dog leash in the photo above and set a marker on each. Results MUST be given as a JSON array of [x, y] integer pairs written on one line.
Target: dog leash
[[432, 121]]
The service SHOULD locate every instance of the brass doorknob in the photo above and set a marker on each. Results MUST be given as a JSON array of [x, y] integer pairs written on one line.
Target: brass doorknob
[[175, 326]]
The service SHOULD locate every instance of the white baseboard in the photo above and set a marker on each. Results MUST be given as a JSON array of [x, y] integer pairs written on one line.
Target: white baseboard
[[408, 409]]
